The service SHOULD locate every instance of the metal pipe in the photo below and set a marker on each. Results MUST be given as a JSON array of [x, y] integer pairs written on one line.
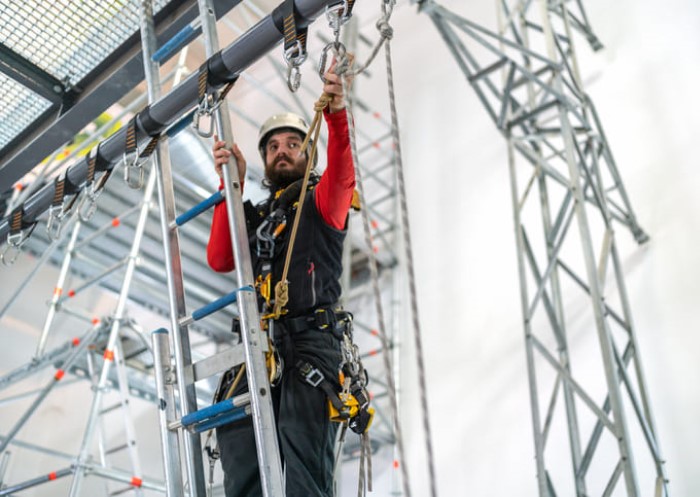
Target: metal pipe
[[96, 279], [46, 390], [36, 481], [24, 395], [167, 411], [3, 467], [115, 222], [58, 290], [238, 56]]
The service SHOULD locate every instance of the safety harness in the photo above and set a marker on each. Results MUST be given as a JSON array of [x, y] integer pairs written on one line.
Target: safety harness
[[351, 404]]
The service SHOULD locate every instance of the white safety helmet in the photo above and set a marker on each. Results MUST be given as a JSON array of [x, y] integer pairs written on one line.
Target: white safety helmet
[[281, 122]]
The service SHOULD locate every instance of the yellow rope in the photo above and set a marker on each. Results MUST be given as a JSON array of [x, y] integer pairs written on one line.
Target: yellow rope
[[282, 286]]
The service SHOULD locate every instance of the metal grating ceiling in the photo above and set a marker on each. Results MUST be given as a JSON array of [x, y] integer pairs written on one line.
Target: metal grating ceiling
[[19, 107], [65, 39], [68, 38]]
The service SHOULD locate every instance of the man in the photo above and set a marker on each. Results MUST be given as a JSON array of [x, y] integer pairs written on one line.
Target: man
[[302, 335]]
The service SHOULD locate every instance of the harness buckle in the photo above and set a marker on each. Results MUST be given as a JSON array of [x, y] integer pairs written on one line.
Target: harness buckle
[[313, 376], [323, 318]]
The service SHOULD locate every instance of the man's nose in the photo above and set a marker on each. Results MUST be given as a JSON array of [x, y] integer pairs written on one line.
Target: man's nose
[[285, 149]]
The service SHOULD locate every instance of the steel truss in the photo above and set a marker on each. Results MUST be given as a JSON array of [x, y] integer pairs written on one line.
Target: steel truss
[[563, 174]]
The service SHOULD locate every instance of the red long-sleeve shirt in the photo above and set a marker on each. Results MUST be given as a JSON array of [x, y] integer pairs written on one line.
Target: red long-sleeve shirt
[[333, 194]]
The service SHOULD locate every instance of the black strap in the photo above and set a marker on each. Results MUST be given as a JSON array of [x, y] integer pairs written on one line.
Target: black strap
[[322, 318], [314, 377], [294, 36], [18, 223], [206, 76], [131, 145], [92, 162], [59, 190]]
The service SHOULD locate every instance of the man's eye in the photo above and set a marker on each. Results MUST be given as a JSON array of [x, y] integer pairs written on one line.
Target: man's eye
[[293, 145]]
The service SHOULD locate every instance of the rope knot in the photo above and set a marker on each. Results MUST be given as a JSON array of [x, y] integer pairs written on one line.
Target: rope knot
[[385, 29], [322, 102]]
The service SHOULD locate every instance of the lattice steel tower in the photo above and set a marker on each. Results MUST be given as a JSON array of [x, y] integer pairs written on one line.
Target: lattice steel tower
[[563, 175]]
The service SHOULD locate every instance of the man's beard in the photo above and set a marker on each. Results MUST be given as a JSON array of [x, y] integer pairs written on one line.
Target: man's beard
[[281, 178]]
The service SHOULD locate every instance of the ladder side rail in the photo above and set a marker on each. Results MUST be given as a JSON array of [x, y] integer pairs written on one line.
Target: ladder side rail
[[129, 428], [176, 290], [252, 335], [101, 445], [167, 411]]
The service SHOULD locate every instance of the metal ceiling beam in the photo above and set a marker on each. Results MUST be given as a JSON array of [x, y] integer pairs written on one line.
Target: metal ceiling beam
[[31, 76], [106, 84]]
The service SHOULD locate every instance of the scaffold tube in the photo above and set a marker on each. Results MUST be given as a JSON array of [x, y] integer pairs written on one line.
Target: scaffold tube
[[36, 481]]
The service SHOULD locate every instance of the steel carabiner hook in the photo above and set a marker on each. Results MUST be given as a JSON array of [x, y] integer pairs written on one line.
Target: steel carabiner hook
[[199, 113], [133, 170], [90, 199], [13, 246], [54, 224], [293, 78]]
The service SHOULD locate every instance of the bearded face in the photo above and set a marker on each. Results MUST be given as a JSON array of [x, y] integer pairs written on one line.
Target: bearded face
[[284, 164]]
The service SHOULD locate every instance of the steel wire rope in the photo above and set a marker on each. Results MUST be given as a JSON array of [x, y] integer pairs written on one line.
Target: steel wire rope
[[384, 27], [386, 32], [391, 386]]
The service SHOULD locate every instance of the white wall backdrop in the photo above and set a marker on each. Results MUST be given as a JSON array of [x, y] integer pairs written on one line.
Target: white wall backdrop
[[645, 87]]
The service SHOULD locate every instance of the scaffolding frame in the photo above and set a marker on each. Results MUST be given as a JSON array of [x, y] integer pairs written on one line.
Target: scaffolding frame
[[526, 76]]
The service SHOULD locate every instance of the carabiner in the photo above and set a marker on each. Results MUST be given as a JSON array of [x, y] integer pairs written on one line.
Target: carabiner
[[337, 15], [133, 170], [54, 224], [295, 55], [14, 243], [339, 51], [91, 199], [198, 114], [293, 78]]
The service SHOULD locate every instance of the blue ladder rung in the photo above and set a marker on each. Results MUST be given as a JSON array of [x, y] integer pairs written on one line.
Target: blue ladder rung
[[235, 415], [181, 38], [219, 303], [209, 412], [203, 206]]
